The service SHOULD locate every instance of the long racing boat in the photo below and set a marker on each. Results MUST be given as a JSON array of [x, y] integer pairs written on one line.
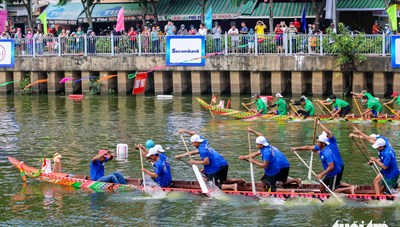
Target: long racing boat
[[292, 191], [248, 115]]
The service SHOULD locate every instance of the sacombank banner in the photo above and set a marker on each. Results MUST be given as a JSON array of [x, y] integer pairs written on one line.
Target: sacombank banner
[[6, 53], [185, 51]]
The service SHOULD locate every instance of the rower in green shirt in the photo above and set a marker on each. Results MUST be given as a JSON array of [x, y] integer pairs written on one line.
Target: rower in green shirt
[[373, 107], [340, 107], [364, 93], [395, 96], [281, 106], [307, 105], [261, 108]]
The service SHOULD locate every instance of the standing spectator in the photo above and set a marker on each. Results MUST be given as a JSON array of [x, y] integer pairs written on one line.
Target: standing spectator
[[192, 30], [53, 30], [283, 26], [19, 44], [92, 43], [138, 28], [161, 38], [154, 40], [29, 41], [250, 37], [376, 29], [89, 31], [234, 33], [297, 24], [63, 39], [388, 34], [313, 41], [203, 31], [217, 32], [183, 30], [146, 37], [170, 28], [278, 39], [332, 30], [59, 29], [244, 30], [38, 37], [132, 34], [79, 39], [292, 31], [259, 28]]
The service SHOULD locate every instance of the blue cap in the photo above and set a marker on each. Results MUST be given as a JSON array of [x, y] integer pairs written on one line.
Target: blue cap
[[150, 144]]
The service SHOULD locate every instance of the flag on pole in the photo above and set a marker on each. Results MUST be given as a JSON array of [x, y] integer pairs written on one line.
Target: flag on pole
[[392, 13], [120, 21], [303, 20], [43, 20], [140, 83], [329, 9], [208, 19]]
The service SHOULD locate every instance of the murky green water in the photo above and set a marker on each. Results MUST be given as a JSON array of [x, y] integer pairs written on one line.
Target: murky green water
[[38, 126]]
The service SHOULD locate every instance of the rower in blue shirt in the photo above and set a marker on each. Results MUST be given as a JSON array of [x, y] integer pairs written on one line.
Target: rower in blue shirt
[[275, 164], [371, 138], [215, 166], [387, 161], [162, 170], [97, 169]]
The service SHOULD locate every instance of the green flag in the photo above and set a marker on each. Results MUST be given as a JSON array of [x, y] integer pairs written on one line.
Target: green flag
[[392, 13], [43, 20]]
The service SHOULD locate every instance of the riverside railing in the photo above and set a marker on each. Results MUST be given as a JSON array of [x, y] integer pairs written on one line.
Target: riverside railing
[[250, 44]]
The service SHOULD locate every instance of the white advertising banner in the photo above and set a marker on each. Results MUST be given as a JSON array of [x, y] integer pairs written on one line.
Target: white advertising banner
[[6, 53], [185, 51]]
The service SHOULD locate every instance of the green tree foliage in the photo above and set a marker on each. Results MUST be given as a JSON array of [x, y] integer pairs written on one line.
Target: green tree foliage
[[348, 48], [319, 6]]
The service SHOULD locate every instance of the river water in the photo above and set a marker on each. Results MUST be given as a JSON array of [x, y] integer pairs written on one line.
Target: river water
[[35, 127]]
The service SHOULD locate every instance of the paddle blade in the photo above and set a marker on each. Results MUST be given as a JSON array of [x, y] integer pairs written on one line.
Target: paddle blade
[[200, 179], [253, 183]]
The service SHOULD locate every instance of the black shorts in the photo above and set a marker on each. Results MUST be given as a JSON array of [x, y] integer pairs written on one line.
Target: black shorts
[[220, 176], [270, 182], [283, 174], [304, 113], [344, 111], [332, 182], [340, 175]]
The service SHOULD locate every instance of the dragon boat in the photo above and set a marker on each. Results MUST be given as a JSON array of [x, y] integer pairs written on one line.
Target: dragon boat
[[248, 115], [363, 193]]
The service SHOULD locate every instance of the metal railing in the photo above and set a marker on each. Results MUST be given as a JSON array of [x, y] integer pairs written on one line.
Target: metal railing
[[250, 44]]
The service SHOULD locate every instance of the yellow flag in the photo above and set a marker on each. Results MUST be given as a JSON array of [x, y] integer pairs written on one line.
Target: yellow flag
[[43, 20], [392, 13]]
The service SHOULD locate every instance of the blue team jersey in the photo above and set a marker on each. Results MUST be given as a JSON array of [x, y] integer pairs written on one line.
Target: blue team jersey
[[97, 169], [388, 158], [327, 157], [268, 154], [280, 158], [163, 170], [162, 156], [215, 159]]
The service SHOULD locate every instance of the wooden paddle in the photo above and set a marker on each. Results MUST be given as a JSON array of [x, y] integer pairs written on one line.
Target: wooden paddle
[[295, 111], [246, 107], [321, 181], [141, 163], [327, 109], [358, 107], [312, 153], [196, 170], [319, 106], [253, 184], [392, 110], [376, 169]]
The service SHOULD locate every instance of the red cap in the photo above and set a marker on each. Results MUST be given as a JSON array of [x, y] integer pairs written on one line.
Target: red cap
[[394, 94]]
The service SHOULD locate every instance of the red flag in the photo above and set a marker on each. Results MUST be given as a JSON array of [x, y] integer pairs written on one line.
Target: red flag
[[214, 99], [228, 103], [140, 83]]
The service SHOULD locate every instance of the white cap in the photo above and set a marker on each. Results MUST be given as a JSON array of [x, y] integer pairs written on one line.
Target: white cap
[[152, 151], [374, 135], [196, 138], [324, 134], [159, 148], [303, 96], [379, 143], [329, 100], [278, 95], [262, 140], [323, 139]]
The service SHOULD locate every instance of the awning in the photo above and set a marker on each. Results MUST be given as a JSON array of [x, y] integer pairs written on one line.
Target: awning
[[282, 10], [191, 10], [109, 12], [360, 5], [64, 14]]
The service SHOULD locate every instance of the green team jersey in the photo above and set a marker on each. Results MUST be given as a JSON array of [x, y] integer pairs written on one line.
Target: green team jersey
[[370, 96], [309, 107], [340, 104], [260, 104], [398, 100], [282, 106], [374, 105]]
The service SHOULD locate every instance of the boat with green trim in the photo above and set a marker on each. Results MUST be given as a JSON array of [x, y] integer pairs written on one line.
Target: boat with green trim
[[247, 115]]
